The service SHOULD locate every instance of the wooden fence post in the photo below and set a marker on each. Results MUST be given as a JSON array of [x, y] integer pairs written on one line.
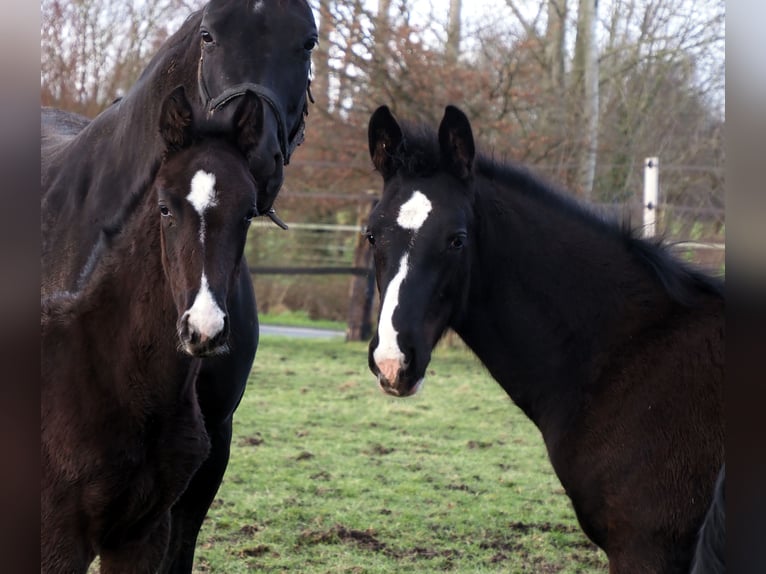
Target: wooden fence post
[[362, 289], [651, 195]]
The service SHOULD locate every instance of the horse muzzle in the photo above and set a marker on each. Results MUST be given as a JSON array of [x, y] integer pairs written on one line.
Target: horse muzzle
[[203, 339], [394, 378]]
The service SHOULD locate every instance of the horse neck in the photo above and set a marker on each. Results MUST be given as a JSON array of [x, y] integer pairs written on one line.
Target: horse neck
[[552, 293], [132, 123], [127, 307]]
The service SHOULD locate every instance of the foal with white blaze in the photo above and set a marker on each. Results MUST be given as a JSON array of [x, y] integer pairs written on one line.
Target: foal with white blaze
[[609, 344], [122, 433]]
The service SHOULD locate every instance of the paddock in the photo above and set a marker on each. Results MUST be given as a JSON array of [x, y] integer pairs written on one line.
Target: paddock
[[455, 479]]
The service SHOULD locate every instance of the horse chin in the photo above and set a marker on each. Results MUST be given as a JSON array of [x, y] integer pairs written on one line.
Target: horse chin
[[269, 188], [202, 351], [399, 388]]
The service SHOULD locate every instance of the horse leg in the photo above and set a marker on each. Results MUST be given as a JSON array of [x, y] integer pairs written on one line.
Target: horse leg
[[64, 555], [190, 509], [644, 555], [142, 555], [220, 387], [64, 547]]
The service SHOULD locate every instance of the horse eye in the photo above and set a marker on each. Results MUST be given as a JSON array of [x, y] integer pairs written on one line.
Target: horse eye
[[164, 211], [457, 242], [370, 238], [310, 44], [206, 37]]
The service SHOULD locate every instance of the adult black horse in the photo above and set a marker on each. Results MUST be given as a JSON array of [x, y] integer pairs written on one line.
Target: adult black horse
[[91, 169]]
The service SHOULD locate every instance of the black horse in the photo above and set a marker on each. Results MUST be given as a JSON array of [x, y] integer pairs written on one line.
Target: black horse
[[91, 169], [121, 429], [613, 348]]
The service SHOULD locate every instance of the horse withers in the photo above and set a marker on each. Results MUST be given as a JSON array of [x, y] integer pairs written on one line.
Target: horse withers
[[612, 347], [92, 169], [121, 429]]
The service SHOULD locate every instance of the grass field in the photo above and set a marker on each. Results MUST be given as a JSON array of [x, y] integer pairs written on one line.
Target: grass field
[[328, 475]]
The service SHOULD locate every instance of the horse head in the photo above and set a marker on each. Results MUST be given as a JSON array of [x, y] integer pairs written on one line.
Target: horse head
[[206, 198], [263, 47], [420, 233]]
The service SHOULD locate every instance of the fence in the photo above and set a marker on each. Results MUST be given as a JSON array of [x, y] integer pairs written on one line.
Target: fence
[[326, 250], [326, 268]]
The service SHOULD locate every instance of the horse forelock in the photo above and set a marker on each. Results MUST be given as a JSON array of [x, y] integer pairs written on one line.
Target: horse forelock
[[418, 154]]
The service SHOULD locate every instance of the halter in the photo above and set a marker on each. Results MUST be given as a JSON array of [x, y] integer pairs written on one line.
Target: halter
[[287, 144]]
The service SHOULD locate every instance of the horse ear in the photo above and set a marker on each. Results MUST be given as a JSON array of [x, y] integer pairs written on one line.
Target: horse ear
[[176, 120], [248, 121], [456, 142], [385, 136]]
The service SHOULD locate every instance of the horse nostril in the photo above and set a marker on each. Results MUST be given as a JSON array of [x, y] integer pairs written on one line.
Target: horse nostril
[[183, 325], [407, 359]]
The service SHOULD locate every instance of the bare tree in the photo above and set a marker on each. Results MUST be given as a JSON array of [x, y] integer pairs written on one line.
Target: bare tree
[[93, 50], [517, 73], [585, 85], [452, 47]]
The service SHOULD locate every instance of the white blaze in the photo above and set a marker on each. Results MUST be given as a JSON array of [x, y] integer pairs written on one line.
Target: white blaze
[[413, 212], [202, 196], [387, 355], [388, 349], [258, 6], [205, 316]]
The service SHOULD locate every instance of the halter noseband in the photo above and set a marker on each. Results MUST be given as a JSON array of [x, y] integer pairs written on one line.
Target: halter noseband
[[287, 144]]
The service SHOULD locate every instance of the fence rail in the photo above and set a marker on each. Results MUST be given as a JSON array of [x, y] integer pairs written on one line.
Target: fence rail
[[304, 270]]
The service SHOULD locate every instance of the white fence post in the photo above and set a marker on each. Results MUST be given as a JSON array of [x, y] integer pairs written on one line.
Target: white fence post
[[651, 192]]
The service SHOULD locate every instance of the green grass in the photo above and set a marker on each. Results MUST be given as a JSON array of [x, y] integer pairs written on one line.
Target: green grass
[[328, 475], [298, 319]]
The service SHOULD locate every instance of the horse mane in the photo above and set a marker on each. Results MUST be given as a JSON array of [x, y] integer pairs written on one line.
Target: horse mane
[[180, 37], [418, 156]]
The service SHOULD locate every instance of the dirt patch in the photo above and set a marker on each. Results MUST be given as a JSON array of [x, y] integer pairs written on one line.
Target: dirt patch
[[259, 550], [461, 487], [305, 455], [340, 534], [321, 475], [368, 540], [524, 527], [472, 444], [249, 529], [254, 440], [378, 449], [427, 553]]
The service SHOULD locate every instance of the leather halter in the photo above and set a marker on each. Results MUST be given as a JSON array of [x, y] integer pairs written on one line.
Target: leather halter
[[287, 143]]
